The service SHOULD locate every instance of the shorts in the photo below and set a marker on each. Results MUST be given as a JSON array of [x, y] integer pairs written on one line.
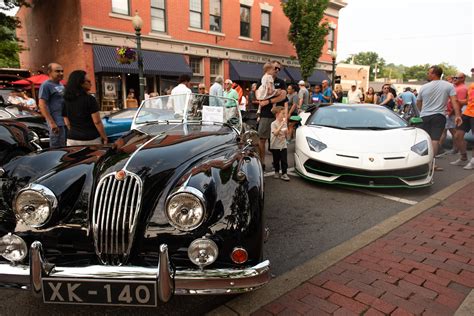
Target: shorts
[[450, 124], [434, 125], [265, 127], [74, 142], [59, 139], [467, 124]]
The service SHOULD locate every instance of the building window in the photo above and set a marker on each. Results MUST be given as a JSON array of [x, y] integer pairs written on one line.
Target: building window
[[265, 28], [244, 21], [121, 7], [196, 66], [331, 39], [216, 68], [158, 15], [215, 16], [195, 14]]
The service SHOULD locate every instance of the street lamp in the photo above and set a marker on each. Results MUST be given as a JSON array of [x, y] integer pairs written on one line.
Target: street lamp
[[333, 56], [137, 25]]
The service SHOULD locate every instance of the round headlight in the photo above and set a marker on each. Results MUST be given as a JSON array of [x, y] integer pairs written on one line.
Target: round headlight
[[185, 209], [203, 252], [13, 248], [34, 205]]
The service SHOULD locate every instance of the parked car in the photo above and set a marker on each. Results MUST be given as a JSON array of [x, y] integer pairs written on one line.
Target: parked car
[[34, 120], [175, 206], [15, 140], [118, 123], [363, 145]]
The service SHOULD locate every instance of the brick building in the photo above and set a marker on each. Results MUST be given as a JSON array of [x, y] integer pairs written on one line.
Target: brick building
[[204, 38]]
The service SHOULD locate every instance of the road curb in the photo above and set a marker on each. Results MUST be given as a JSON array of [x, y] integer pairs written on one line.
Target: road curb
[[251, 302]]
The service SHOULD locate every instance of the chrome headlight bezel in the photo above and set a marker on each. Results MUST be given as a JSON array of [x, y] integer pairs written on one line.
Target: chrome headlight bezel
[[315, 145], [186, 193], [11, 252], [420, 148], [49, 199]]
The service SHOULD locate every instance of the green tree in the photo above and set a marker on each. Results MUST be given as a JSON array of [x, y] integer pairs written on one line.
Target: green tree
[[371, 59], [417, 72], [9, 43], [393, 71], [307, 31]]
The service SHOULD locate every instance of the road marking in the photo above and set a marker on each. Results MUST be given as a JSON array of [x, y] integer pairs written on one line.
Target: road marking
[[385, 196]]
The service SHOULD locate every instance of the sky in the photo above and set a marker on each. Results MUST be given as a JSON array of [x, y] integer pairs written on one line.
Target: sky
[[409, 32]]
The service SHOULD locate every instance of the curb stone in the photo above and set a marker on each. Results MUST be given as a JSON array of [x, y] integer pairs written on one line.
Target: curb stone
[[252, 301]]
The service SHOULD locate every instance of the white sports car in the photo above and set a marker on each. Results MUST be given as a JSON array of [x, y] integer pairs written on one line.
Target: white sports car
[[363, 145]]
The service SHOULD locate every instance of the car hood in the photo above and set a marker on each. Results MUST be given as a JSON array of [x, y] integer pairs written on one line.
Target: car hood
[[367, 141]]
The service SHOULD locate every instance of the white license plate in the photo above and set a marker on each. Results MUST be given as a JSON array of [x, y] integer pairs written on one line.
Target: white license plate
[[99, 292]]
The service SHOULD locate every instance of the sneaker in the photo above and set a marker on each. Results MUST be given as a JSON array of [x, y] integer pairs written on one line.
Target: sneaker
[[276, 175], [469, 166], [285, 177], [459, 162], [452, 152]]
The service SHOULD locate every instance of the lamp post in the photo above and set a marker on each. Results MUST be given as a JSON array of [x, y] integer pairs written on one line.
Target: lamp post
[[333, 56], [137, 25]]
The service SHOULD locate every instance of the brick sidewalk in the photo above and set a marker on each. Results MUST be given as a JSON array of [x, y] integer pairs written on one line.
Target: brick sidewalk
[[424, 267]]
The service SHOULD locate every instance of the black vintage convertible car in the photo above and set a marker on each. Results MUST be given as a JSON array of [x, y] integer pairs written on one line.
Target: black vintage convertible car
[[173, 207]]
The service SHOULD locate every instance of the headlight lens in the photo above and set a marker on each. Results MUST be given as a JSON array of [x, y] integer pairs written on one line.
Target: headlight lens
[[203, 252], [13, 248], [421, 148], [34, 205], [315, 145], [185, 209]]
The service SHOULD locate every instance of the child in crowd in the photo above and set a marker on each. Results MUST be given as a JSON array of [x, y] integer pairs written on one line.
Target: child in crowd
[[278, 144], [267, 88]]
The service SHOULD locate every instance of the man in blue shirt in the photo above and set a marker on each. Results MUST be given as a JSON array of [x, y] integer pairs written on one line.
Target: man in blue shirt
[[408, 98], [51, 104], [327, 93]]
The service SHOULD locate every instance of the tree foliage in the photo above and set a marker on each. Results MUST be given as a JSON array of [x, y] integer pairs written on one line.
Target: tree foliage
[[307, 31], [371, 59], [9, 43]]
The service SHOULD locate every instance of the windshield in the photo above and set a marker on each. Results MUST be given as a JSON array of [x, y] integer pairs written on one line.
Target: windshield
[[189, 108], [17, 112], [356, 117]]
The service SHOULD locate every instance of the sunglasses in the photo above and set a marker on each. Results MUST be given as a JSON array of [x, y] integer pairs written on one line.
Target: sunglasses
[[456, 78], [59, 71], [277, 68]]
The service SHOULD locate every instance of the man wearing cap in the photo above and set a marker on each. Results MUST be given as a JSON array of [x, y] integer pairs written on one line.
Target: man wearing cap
[[327, 92], [354, 95], [303, 94]]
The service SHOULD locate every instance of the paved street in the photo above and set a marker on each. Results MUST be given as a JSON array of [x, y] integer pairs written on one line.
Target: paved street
[[305, 219]]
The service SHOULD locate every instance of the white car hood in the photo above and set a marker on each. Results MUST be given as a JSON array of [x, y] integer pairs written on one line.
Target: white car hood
[[367, 141]]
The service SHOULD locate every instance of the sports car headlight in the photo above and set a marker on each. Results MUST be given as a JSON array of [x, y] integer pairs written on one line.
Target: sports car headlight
[[35, 204], [185, 209], [315, 145], [421, 148]]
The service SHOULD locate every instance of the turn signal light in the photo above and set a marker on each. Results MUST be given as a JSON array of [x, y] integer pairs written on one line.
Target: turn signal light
[[239, 255]]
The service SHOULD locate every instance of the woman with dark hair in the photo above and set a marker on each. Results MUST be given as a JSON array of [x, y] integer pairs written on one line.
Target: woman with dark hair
[[387, 98], [81, 112]]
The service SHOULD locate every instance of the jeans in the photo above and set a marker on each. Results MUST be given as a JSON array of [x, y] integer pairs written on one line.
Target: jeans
[[59, 139], [280, 157]]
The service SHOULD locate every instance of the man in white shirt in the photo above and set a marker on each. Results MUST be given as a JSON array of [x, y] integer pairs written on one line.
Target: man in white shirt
[[217, 89], [181, 89], [354, 95]]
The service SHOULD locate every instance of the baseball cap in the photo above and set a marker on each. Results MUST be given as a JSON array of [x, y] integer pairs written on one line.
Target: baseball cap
[[301, 83]]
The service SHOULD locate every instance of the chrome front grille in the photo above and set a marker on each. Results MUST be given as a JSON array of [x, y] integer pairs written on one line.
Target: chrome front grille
[[114, 216]]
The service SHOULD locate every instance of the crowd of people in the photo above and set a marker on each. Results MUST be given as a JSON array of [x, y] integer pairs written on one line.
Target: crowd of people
[[73, 116]]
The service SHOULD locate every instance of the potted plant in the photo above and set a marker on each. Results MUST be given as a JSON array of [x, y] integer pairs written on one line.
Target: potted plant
[[126, 55]]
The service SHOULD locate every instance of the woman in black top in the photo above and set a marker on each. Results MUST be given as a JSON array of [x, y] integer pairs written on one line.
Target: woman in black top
[[81, 112]]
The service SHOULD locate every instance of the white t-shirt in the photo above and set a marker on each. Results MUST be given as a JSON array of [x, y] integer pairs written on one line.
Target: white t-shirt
[[354, 96], [434, 96], [180, 102]]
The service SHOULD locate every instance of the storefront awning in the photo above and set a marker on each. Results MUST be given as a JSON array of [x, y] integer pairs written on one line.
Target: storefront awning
[[245, 71], [316, 78], [154, 63]]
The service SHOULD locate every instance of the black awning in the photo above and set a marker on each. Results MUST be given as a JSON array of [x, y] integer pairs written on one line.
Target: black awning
[[245, 71], [316, 77], [154, 63]]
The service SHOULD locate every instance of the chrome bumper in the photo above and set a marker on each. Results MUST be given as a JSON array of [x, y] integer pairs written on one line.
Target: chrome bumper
[[179, 282]]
